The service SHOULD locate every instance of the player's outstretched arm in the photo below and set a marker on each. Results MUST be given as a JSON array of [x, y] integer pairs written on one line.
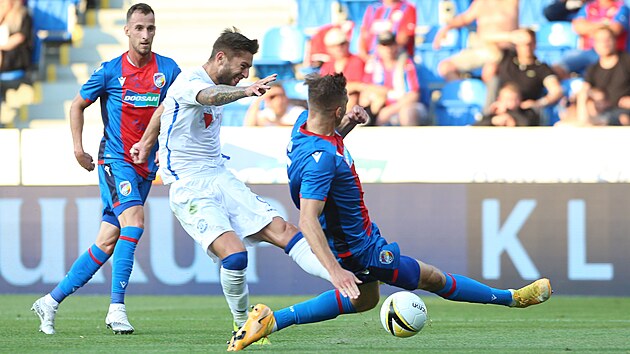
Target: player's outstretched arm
[[77, 120], [357, 115], [223, 94], [140, 150], [343, 280]]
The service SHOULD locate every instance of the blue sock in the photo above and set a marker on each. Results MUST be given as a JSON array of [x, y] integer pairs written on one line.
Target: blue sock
[[461, 288], [123, 261], [326, 306], [80, 273]]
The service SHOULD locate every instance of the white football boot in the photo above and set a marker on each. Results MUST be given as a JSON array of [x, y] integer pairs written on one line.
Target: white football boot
[[117, 321], [46, 314]]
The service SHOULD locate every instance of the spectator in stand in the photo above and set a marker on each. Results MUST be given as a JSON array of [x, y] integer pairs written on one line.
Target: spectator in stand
[[507, 110], [15, 36], [563, 10], [495, 21], [610, 76], [395, 16], [278, 109], [593, 15], [342, 61], [539, 86], [391, 91], [317, 52]]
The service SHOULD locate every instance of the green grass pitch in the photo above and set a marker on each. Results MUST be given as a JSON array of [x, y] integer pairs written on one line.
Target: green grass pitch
[[196, 324]]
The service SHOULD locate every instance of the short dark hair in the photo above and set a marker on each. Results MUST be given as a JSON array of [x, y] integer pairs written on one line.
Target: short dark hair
[[231, 41], [326, 92], [141, 7]]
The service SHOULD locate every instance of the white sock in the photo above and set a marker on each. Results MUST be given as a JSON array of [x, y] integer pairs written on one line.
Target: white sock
[[236, 293], [50, 301], [302, 255]]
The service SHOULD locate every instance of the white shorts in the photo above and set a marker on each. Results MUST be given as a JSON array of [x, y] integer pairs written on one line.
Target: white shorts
[[207, 207]]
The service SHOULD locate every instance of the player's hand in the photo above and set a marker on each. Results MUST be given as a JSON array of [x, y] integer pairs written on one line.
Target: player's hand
[[345, 282], [85, 160], [358, 115], [139, 153], [261, 86]]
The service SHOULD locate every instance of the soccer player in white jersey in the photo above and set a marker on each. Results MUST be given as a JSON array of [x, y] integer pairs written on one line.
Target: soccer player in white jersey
[[215, 208]]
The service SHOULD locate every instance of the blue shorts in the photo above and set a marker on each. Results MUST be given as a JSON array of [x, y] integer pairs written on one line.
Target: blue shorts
[[379, 262], [121, 188]]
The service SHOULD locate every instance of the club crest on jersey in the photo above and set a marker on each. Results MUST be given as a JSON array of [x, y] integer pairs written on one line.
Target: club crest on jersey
[[135, 99], [159, 80], [125, 188], [202, 226], [386, 257]]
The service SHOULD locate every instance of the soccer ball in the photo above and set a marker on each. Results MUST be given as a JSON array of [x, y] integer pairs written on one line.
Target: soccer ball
[[403, 314]]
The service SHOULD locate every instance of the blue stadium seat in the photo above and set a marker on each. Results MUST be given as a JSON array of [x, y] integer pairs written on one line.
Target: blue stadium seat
[[530, 12], [355, 9], [295, 89], [53, 22], [282, 48], [460, 103], [570, 87], [553, 39], [427, 59], [313, 14]]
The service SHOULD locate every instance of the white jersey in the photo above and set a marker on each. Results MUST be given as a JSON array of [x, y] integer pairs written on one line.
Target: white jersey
[[189, 131]]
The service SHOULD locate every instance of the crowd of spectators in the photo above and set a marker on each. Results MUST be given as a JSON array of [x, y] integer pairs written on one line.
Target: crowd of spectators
[[383, 77]]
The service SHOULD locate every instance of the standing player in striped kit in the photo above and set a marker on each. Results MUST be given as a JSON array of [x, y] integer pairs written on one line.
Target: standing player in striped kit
[[130, 88]]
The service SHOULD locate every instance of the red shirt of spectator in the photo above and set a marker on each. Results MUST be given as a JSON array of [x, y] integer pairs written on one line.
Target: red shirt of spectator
[[399, 78], [595, 12], [337, 46], [396, 16]]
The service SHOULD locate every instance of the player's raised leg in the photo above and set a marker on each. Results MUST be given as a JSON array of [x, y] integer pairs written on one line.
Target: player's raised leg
[[286, 236], [82, 270]]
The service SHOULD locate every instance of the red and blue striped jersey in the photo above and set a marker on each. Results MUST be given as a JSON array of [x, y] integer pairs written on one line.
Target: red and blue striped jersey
[[129, 95], [321, 168]]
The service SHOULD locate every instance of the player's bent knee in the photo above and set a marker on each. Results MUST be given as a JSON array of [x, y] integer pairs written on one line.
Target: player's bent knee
[[235, 261]]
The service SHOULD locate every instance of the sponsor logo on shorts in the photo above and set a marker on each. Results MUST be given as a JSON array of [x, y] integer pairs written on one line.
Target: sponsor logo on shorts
[[135, 99], [386, 257], [124, 188], [159, 80], [202, 226]]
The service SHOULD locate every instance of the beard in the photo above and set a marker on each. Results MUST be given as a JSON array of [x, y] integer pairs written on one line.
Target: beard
[[225, 77]]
